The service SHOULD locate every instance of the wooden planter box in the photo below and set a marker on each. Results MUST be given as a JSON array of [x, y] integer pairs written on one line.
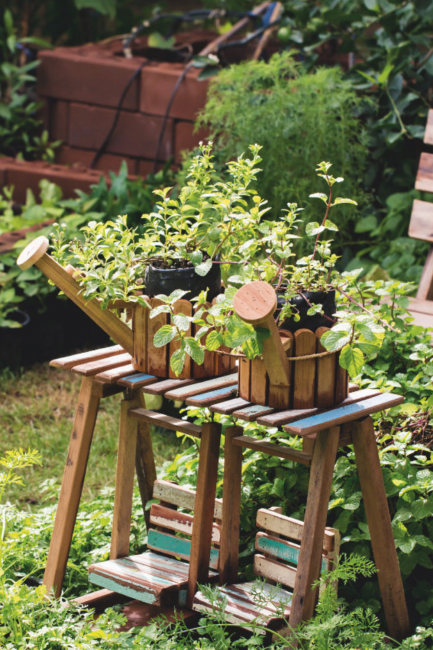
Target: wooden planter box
[[316, 382]]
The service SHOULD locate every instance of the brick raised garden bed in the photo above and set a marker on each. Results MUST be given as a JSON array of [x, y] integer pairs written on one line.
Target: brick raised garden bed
[[82, 86]]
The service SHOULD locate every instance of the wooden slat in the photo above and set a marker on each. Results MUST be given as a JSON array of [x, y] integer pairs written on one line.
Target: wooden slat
[[161, 387], [353, 387], [157, 358], [180, 496], [178, 521], [342, 386], [230, 528], [211, 397], [421, 306], [251, 413], [272, 449], [425, 287], [138, 380], [245, 379], [165, 421], [424, 177], [272, 570], [176, 547], [325, 374], [75, 359], [258, 387], [279, 524], [305, 371], [421, 221], [262, 597], [428, 135], [280, 396], [113, 375], [343, 414], [284, 417], [181, 307], [180, 394], [94, 367], [140, 327], [229, 406], [281, 550]]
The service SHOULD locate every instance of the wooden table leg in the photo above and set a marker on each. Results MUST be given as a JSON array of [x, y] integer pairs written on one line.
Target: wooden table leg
[[379, 524], [145, 462], [230, 527], [204, 507], [319, 491], [124, 481], [72, 485]]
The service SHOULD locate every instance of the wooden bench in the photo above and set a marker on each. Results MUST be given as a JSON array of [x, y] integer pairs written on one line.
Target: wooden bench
[[421, 227], [276, 560], [159, 576]]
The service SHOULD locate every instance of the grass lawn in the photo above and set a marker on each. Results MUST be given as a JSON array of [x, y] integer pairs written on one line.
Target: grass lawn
[[37, 411]]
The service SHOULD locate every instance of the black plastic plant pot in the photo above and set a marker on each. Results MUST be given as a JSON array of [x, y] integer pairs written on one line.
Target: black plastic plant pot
[[158, 280], [324, 298]]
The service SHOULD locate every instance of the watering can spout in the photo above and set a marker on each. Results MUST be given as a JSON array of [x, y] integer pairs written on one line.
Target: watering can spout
[[35, 254]]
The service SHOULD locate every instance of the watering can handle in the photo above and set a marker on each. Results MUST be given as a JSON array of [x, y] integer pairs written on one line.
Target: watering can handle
[[256, 303], [36, 254]]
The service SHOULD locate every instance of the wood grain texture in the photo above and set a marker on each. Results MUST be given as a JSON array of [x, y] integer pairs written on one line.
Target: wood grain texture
[[162, 387], [72, 483], [305, 371], [179, 521], [229, 406], [113, 375], [181, 307], [279, 524], [421, 221], [212, 397], [259, 376], [252, 412], [319, 490], [245, 379], [281, 550], [204, 507], [157, 358], [379, 523], [179, 394], [181, 496], [425, 287], [342, 414], [83, 357], [140, 326], [342, 386], [106, 319], [124, 482], [424, 177], [144, 460], [325, 374], [272, 570], [137, 380], [101, 365], [166, 421], [428, 135], [272, 449], [231, 514], [280, 396]]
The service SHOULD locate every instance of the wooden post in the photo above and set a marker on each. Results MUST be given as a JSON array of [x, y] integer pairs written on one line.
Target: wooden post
[[72, 486], [319, 490], [379, 524], [144, 461], [230, 528], [124, 481], [204, 507]]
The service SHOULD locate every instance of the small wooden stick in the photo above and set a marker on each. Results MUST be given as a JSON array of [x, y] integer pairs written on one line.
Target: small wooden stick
[[256, 303], [276, 13], [35, 254]]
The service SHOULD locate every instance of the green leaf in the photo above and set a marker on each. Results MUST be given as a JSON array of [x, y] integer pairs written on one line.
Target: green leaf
[[104, 7], [337, 337], [214, 340], [352, 360], [319, 195], [314, 228], [203, 268], [177, 361], [195, 351], [182, 322], [164, 335], [340, 200]]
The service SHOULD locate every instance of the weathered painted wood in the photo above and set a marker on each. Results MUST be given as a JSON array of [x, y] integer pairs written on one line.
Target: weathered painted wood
[[343, 414], [166, 421], [101, 365], [279, 524], [211, 397], [283, 574], [161, 387], [180, 496], [259, 595], [428, 135], [123, 587], [421, 221], [424, 177], [178, 521], [229, 406], [425, 287], [83, 357], [138, 380], [281, 549], [273, 449], [180, 394], [113, 375], [176, 547], [251, 413]]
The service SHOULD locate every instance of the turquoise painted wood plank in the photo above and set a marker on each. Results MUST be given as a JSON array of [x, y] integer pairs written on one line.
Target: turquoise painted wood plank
[[182, 393], [251, 413], [211, 397], [137, 380], [129, 591], [176, 546], [281, 550], [343, 414]]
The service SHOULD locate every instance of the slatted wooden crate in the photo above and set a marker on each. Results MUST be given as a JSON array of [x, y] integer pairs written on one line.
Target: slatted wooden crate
[[317, 381]]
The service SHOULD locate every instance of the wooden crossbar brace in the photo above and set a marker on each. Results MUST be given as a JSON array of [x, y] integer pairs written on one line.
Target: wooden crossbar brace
[[272, 449]]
